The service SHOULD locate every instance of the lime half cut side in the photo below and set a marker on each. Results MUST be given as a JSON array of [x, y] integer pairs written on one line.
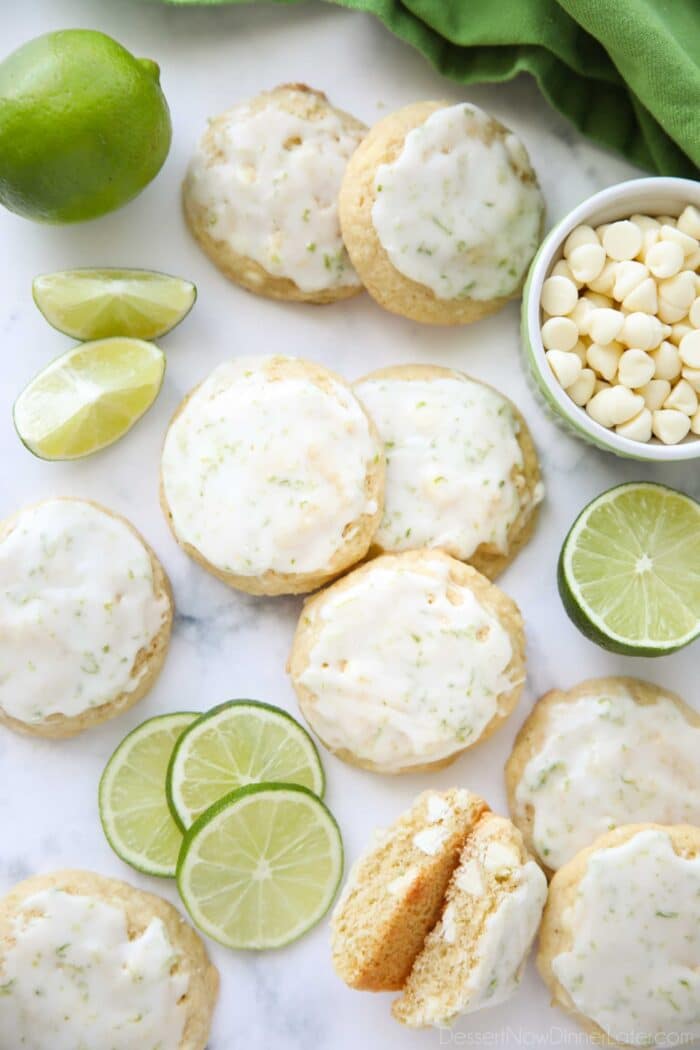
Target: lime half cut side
[[261, 867], [239, 743], [133, 808], [97, 304], [629, 570], [88, 397]]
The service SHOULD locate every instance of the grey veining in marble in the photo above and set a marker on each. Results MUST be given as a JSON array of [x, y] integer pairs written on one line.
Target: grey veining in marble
[[228, 645]]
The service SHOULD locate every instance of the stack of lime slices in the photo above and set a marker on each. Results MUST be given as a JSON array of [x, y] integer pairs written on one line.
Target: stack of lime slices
[[92, 395], [229, 802]]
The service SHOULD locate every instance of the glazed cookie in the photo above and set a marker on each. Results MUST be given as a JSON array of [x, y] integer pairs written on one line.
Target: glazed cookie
[[261, 195], [85, 617], [474, 956], [407, 661], [87, 961], [612, 751], [273, 475], [620, 939], [441, 213], [394, 892], [462, 470]]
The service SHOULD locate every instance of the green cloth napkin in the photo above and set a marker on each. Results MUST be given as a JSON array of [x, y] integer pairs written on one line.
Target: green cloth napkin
[[626, 73]]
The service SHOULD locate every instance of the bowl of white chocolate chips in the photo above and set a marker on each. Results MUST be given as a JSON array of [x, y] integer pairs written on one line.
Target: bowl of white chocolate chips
[[611, 319]]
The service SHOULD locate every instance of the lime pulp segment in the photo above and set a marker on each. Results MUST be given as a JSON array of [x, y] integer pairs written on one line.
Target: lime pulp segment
[[97, 304], [239, 743], [629, 570], [88, 397], [261, 867], [133, 808]]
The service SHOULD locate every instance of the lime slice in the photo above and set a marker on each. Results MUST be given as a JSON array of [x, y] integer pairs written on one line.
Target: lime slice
[[89, 397], [133, 808], [261, 867], [629, 570], [238, 743], [96, 304]]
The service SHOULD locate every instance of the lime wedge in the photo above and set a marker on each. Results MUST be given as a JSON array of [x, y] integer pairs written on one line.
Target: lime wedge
[[96, 304], [629, 570], [133, 808], [261, 867], [239, 743], [88, 398]]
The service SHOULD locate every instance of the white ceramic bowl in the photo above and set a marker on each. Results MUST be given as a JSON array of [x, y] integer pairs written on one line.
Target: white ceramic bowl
[[657, 196]]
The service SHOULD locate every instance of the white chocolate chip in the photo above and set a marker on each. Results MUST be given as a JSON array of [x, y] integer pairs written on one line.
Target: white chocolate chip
[[580, 351], [641, 331], [692, 375], [501, 858], [469, 879], [601, 302], [605, 281], [689, 348], [665, 258], [562, 269], [401, 883], [655, 393], [559, 333], [645, 222], [605, 325], [689, 221], [581, 314], [600, 384], [692, 262], [694, 313], [678, 330], [643, 297], [627, 276], [676, 296], [449, 925], [582, 390], [600, 231], [559, 296], [587, 261], [566, 367], [667, 361], [683, 398], [695, 423], [669, 425], [672, 233], [604, 359], [581, 235], [638, 428], [614, 406], [438, 809], [622, 240], [429, 840], [635, 368]]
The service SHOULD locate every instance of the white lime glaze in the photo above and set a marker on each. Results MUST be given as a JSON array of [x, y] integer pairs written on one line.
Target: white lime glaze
[[265, 475], [401, 675], [454, 464], [634, 962], [452, 211], [277, 203], [73, 980], [608, 761], [76, 606]]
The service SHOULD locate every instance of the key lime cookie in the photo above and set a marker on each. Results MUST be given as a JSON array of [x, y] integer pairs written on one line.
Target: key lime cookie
[[87, 961], [85, 617], [261, 195], [441, 213], [611, 751], [462, 470], [272, 475], [620, 938], [394, 893], [475, 954], [407, 661]]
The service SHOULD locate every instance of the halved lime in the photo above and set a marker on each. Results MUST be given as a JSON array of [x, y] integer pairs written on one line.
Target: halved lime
[[133, 808], [238, 743], [629, 570], [97, 304], [88, 397], [262, 866]]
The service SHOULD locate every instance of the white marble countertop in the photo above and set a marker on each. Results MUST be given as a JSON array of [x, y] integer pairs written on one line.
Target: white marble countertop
[[228, 645]]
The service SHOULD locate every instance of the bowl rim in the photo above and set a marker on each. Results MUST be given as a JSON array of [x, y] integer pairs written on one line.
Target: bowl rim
[[577, 418]]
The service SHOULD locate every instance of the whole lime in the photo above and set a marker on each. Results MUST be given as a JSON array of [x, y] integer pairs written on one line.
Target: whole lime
[[84, 126]]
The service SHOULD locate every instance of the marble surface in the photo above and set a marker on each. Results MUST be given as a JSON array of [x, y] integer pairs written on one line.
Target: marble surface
[[227, 645]]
